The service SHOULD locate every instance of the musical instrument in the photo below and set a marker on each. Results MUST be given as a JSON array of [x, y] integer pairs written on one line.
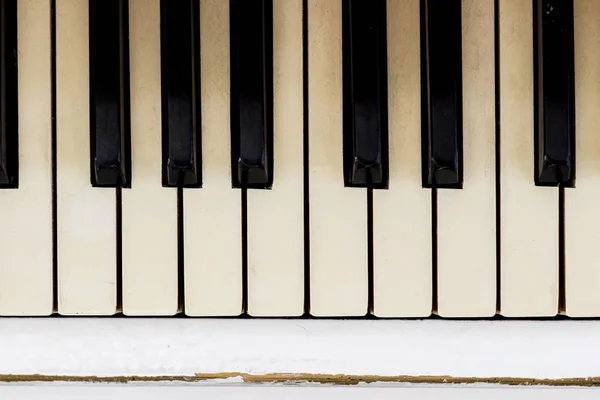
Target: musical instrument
[[345, 170], [300, 158]]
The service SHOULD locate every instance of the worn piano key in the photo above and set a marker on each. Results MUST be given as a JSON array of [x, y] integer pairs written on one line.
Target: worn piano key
[[26, 281], [529, 219], [365, 92], [466, 219], [9, 156], [86, 218], [338, 214], [582, 215], [276, 281], [441, 92], [402, 280], [252, 92], [180, 66], [555, 96], [149, 261], [212, 243], [109, 92]]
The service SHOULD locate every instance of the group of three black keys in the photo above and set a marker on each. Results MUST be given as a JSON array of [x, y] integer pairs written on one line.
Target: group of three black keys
[[365, 130]]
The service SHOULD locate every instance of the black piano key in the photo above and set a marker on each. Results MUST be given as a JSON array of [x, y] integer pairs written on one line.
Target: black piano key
[[441, 66], [180, 66], [9, 154], [109, 93], [252, 92], [554, 69], [365, 93]]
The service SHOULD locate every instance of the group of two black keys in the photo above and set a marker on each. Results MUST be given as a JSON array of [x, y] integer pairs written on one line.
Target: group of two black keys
[[365, 114]]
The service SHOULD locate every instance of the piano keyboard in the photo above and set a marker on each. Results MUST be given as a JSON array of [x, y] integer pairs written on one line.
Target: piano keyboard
[[394, 158]]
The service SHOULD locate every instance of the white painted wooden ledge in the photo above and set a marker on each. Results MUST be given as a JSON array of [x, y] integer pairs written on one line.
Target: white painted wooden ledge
[[186, 347]]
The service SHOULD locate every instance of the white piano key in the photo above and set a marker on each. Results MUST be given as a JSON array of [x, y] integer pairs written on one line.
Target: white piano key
[[26, 212], [466, 219], [212, 214], [86, 218], [402, 269], [149, 216], [529, 214], [338, 216], [582, 215], [276, 216]]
